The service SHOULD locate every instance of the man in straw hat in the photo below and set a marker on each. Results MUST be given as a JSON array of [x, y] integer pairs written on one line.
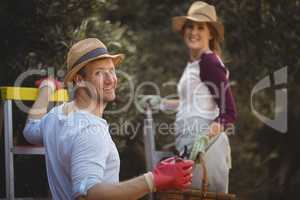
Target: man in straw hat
[[82, 160]]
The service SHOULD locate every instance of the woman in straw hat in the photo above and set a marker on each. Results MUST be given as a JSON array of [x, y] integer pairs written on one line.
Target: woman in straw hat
[[206, 105]]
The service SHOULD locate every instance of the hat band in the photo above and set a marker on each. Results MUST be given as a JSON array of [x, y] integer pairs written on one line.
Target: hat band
[[204, 16], [92, 54]]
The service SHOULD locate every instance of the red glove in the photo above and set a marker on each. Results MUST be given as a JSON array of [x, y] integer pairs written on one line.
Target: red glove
[[173, 173], [57, 83]]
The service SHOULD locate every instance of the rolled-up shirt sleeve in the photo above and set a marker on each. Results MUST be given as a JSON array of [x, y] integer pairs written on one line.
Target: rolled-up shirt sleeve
[[90, 150], [33, 131], [214, 72]]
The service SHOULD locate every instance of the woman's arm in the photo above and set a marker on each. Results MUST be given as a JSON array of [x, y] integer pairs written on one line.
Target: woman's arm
[[170, 104], [213, 73]]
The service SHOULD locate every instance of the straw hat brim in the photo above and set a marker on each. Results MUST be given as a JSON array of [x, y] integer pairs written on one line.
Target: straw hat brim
[[117, 59], [178, 23]]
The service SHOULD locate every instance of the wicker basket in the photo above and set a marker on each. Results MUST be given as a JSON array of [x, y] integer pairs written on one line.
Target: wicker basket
[[195, 194]]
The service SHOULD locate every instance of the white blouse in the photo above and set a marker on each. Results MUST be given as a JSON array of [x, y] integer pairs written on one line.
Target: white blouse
[[195, 98]]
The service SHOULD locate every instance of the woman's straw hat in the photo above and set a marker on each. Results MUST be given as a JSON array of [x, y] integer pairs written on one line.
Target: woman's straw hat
[[200, 12], [86, 51]]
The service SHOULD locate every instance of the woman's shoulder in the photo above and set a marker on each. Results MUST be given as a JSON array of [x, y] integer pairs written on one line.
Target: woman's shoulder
[[211, 58]]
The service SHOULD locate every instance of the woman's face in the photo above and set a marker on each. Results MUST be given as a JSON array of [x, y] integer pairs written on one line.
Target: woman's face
[[196, 35]]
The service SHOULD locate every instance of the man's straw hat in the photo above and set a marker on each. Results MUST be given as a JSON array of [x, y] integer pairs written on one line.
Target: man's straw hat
[[86, 51]]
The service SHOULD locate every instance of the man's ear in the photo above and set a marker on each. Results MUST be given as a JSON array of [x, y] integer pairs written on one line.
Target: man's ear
[[78, 80]]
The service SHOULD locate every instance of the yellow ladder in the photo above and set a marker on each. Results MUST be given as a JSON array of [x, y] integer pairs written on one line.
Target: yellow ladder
[[9, 94]]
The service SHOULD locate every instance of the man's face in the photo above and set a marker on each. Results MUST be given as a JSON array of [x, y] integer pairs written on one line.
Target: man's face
[[101, 77]]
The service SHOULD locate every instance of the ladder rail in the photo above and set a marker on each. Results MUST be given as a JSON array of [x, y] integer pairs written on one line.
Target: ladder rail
[[8, 143], [149, 139], [9, 94], [152, 155]]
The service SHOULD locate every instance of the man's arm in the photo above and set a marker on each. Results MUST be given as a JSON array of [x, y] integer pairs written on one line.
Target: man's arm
[[129, 190], [169, 174], [32, 131], [39, 108], [88, 161], [90, 149]]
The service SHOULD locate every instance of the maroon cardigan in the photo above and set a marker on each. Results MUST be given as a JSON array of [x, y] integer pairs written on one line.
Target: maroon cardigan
[[212, 71]]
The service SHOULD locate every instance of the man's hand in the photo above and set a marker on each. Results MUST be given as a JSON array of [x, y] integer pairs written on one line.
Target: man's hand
[[173, 173], [50, 82], [46, 87]]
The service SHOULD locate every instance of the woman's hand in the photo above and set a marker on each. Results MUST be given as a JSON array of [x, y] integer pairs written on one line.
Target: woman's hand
[[215, 129]]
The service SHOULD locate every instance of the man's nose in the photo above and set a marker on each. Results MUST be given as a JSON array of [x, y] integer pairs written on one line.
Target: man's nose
[[110, 77]]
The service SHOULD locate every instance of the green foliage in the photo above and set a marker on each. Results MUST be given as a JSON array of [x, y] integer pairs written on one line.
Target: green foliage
[[261, 37]]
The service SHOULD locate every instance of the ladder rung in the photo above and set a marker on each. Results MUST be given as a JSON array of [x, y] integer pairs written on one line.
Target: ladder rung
[[29, 150], [29, 94]]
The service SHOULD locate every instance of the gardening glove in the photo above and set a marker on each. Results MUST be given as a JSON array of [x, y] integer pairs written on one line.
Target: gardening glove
[[173, 173], [50, 82], [154, 101], [199, 146]]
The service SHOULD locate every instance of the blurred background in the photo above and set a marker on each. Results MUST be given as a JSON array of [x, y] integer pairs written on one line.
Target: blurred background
[[261, 37]]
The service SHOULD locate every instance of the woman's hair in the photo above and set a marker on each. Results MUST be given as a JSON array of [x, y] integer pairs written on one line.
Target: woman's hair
[[214, 43]]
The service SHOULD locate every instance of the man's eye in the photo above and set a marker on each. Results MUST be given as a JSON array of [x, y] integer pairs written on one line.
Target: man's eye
[[105, 72], [99, 73]]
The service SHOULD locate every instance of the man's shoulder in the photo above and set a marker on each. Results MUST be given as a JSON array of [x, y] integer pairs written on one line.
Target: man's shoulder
[[76, 121], [85, 121], [86, 127], [90, 118]]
